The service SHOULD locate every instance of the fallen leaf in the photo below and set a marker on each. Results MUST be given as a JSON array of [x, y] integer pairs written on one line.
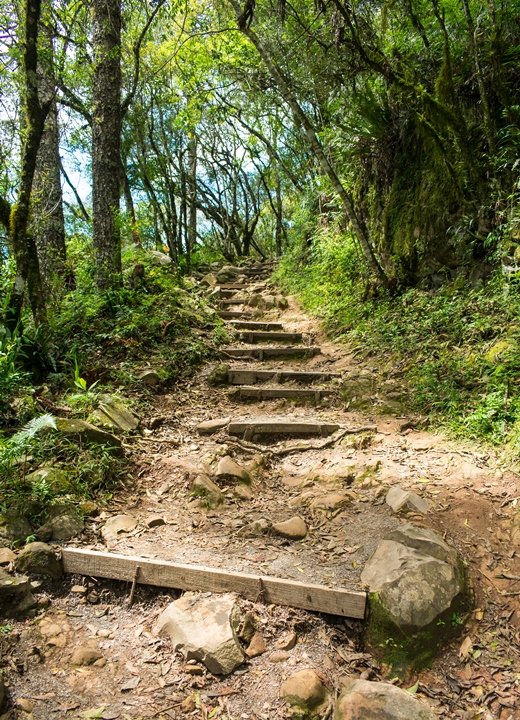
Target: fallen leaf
[[92, 713], [412, 690], [131, 684], [466, 648]]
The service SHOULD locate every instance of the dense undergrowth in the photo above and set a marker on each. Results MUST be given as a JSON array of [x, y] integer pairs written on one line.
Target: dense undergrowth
[[96, 344], [457, 348]]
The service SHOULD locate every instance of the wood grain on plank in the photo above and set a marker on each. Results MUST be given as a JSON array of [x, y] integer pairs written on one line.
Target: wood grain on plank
[[334, 601]]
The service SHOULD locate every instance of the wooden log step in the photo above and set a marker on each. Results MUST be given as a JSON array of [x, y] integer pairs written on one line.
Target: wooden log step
[[229, 314], [254, 336], [233, 286], [161, 573], [245, 376], [269, 393], [249, 428], [252, 325], [232, 301], [226, 293], [262, 353]]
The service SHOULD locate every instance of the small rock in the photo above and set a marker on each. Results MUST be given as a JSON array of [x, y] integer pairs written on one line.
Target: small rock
[[364, 699], [246, 628], [39, 558], [159, 258], [28, 602], [149, 377], [117, 524], [243, 492], [305, 692], [82, 431], [114, 414], [209, 280], [255, 529], [10, 585], [257, 646], [219, 375], [24, 704], [279, 656], [100, 663], [293, 529], [193, 670], [208, 427], [54, 478], [208, 493], [85, 656], [80, 589], [228, 468], [281, 302], [6, 556], [43, 533], [12, 528], [88, 508], [65, 522], [330, 501], [155, 521], [287, 642], [203, 628], [405, 500]]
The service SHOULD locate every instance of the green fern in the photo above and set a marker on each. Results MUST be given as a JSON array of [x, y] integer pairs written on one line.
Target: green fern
[[32, 428]]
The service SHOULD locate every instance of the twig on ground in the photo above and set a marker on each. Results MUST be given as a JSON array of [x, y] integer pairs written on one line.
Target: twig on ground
[[327, 443]]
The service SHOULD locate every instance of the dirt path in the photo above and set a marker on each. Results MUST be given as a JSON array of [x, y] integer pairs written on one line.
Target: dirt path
[[473, 504]]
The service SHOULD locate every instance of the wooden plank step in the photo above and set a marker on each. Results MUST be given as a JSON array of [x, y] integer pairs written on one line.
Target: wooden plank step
[[250, 428], [161, 573], [245, 376], [269, 393], [254, 336], [233, 286], [232, 301], [226, 293], [229, 314], [262, 353], [253, 325]]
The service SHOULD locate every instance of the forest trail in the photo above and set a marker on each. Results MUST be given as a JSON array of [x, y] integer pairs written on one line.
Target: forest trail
[[282, 379]]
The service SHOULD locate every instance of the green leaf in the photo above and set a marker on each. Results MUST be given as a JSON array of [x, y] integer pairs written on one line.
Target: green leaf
[[412, 690], [92, 713]]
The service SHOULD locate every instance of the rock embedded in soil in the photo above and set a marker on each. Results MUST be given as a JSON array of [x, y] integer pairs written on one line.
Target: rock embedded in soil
[[209, 280], [257, 528], [209, 427], [412, 598], [114, 414], [24, 704], [6, 556], [422, 539], [54, 478], [118, 524], [406, 501], [330, 501], [88, 508], [83, 432], [13, 528], [155, 521], [293, 529], [39, 558], [85, 656], [305, 693], [243, 492], [228, 468], [13, 585], [65, 522], [287, 642], [219, 375], [203, 627], [257, 646], [365, 699], [207, 491], [149, 377], [279, 656]]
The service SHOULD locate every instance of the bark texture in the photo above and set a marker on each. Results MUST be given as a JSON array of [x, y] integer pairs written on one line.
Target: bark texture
[[106, 142]]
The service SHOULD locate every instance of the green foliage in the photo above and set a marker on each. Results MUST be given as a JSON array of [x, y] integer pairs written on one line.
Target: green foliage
[[456, 350], [12, 377]]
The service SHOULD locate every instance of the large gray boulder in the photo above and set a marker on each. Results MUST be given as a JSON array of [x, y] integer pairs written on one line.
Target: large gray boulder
[[416, 585], [363, 699], [65, 522], [203, 627]]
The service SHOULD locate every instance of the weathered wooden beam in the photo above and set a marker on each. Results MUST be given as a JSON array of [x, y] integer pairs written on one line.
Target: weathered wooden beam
[[255, 325], [272, 351], [245, 376], [334, 601], [228, 314], [250, 428], [266, 393], [253, 336]]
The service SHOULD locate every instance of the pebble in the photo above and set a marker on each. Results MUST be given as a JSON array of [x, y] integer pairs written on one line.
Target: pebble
[[24, 704], [279, 656]]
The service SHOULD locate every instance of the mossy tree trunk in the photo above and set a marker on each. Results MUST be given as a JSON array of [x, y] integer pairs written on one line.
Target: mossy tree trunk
[[106, 142], [22, 245]]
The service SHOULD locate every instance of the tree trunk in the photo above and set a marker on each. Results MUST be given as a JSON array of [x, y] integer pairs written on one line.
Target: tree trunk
[[47, 222], [106, 142], [192, 198], [358, 227], [23, 247], [129, 204]]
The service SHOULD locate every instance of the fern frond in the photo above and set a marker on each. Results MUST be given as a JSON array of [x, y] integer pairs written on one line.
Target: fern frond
[[33, 427]]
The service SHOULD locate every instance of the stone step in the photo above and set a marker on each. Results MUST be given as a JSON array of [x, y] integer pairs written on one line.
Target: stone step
[[270, 393], [262, 353], [253, 336], [233, 286], [245, 376], [229, 314], [252, 325], [251, 428]]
